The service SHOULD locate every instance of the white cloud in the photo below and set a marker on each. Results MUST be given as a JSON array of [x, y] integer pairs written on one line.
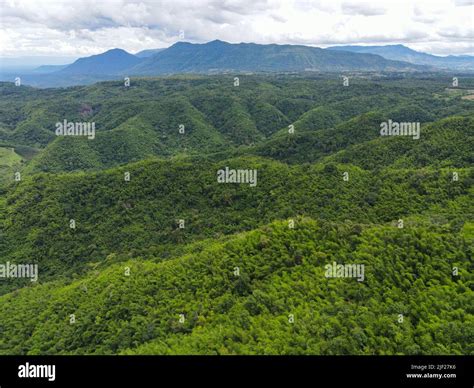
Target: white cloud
[[363, 8], [85, 27]]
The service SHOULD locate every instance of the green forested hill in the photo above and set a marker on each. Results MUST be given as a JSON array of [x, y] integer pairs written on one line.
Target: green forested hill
[[403, 208], [143, 120], [279, 302], [140, 217], [446, 143]]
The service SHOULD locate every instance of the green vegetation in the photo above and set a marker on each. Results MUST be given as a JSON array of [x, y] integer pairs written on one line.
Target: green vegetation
[[10, 162], [345, 187], [281, 273], [144, 120]]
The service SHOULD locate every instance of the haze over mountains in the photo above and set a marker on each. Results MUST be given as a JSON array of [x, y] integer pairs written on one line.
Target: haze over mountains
[[400, 52], [221, 57]]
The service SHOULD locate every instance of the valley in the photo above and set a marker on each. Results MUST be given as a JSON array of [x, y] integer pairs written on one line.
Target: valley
[[166, 205]]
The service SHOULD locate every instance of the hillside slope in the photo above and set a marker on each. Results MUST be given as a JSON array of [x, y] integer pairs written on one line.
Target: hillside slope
[[110, 62], [140, 218], [263, 292]]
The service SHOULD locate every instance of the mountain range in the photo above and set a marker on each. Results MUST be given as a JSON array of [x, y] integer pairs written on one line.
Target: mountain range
[[222, 57], [400, 52], [219, 56]]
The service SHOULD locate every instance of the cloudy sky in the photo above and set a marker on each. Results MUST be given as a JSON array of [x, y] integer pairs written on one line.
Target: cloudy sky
[[85, 27]]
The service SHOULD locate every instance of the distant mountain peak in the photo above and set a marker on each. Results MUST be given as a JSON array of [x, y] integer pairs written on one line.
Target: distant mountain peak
[[115, 50], [217, 41], [112, 61], [181, 43]]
